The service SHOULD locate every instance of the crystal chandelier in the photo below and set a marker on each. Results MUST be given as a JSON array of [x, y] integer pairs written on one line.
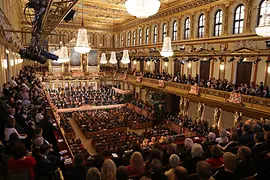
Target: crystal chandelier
[[4, 63], [63, 55], [264, 27], [113, 59], [103, 59], [125, 58], [142, 8], [82, 45], [167, 48]]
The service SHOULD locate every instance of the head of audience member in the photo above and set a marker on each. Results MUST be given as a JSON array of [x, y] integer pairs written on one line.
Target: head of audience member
[[154, 154], [156, 166], [11, 123], [188, 143], [108, 170], [136, 147], [136, 163], [216, 152], [233, 129], [174, 161], [19, 151], [211, 136], [172, 149], [259, 137], [13, 139], [44, 149], [38, 131], [180, 173], [196, 150], [245, 128], [223, 133], [11, 111], [244, 153], [204, 170], [79, 159], [93, 174], [230, 162], [122, 173], [267, 137], [170, 139], [38, 142], [256, 128], [234, 136]]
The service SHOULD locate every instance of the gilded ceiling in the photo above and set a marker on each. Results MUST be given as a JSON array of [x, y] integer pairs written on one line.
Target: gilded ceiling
[[104, 13]]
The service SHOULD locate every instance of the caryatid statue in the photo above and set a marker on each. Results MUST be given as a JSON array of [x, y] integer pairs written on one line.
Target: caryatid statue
[[186, 107], [200, 112], [217, 118], [237, 118]]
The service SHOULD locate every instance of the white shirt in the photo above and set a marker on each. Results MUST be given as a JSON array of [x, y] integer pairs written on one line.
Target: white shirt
[[13, 83], [9, 131]]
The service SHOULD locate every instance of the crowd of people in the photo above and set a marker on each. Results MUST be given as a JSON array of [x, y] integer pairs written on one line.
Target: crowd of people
[[139, 103], [259, 90], [71, 97]]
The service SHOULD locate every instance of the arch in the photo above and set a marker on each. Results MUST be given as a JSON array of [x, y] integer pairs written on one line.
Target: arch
[[238, 22], [140, 36], [187, 28], [174, 30], [261, 10], [201, 22], [218, 19], [164, 31], [147, 35], [134, 38], [155, 33]]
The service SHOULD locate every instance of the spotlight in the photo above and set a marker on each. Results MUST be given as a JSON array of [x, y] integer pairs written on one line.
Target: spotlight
[[267, 44], [194, 49], [200, 49], [231, 60], [241, 59], [196, 59], [70, 16], [257, 60], [182, 48], [221, 59], [212, 49]]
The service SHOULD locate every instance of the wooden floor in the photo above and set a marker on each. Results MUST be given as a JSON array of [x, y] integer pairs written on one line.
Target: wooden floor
[[87, 142]]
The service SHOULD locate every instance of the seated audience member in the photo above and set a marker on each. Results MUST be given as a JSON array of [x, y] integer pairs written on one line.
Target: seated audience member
[[122, 173], [39, 116], [259, 146], [267, 140], [230, 164], [108, 170], [44, 167], [39, 134], [13, 140], [256, 128], [180, 173], [186, 152], [78, 171], [154, 154], [10, 128], [233, 143], [204, 171], [156, 170], [174, 161], [245, 167], [20, 162], [196, 153], [136, 166], [171, 149], [246, 137], [93, 174], [223, 139], [211, 141], [216, 159]]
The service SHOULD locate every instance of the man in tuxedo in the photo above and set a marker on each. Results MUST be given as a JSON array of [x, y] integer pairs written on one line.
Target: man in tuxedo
[[259, 146], [78, 171], [247, 137]]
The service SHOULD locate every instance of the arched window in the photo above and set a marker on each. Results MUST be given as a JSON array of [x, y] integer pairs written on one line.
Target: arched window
[[238, 24], [122, 40], [128, 39], [201, 26], [174, 33], [140, 37], [218, 23], [155, 34], [164, 31], [187, 28], [261, 11], [147, 35], [134, 38]]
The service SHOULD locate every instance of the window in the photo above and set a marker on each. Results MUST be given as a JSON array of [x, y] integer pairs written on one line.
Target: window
[[261, 11], [174, 33], [201, 26], [128, 39], [238, 24], [164, 31], [218, 23], [140, 36], [134, 38], [122, 40], [147, 35], [155, 34], [187, 28]]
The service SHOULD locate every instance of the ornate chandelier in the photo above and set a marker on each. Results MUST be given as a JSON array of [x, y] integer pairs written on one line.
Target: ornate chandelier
[[113, 59], [264, 27], [167, 47], [142, 8], [82, 45], [63, 55], [125, 58], [103, 59]]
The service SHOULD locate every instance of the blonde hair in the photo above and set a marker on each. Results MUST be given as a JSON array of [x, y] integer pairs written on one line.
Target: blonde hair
[[136, 163], [108, 170]]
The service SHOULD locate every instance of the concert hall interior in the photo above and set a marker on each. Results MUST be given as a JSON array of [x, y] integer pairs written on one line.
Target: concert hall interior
[[134, 89]]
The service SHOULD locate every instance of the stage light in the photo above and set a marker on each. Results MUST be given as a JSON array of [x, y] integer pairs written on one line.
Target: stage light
[[70, 16], [231, 59]]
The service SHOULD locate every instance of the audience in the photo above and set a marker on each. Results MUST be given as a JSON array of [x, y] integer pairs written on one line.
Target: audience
[[180, 173], [122, 173], [93, 174], [174, 162], [78, 171], [216, 159], [108, 170], [156, 170], [223, 139], [196, 153], [246, 137], [245, 167], [136, 164], [204, 170]]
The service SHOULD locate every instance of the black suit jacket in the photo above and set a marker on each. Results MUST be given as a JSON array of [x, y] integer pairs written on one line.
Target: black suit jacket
[[44, 167], [78, 172], [191, 163], [245, 168], [246, 138]]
